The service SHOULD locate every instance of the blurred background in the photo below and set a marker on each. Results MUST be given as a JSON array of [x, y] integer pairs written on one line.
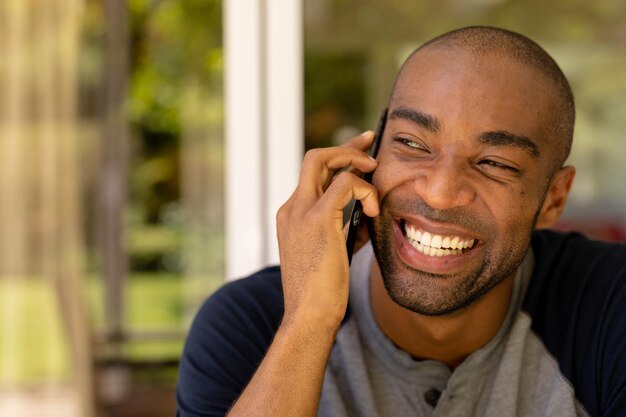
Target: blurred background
[[145, 144]]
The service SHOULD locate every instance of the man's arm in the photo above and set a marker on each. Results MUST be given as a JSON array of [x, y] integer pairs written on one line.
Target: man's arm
[[315, 277], [289, 380]]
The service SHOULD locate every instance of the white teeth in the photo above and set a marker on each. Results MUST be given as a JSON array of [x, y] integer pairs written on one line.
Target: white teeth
[[437, 245], [430, 251]]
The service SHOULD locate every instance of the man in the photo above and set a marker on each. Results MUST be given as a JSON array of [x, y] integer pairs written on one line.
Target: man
[[460, 306]]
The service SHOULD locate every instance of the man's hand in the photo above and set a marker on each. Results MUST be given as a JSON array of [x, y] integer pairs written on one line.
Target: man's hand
[[312, 242], [314, 269]]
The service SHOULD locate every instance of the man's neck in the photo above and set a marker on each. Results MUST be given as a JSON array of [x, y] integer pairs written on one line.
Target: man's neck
[[448, 339]]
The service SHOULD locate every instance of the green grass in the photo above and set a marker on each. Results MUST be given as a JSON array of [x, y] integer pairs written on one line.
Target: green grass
[[32, 339], [32, 344], [154, 300]]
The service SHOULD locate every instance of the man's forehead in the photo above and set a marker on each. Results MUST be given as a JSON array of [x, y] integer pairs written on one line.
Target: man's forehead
[[435, 73], [434, 60]]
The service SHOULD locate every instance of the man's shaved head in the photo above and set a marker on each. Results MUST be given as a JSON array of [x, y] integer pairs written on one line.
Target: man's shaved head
[[489, 41]]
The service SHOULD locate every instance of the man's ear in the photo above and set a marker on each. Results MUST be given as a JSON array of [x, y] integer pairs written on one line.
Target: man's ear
[[556, 197]]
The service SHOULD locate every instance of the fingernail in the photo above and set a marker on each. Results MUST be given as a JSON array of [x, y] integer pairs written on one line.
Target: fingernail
[[367, 132]]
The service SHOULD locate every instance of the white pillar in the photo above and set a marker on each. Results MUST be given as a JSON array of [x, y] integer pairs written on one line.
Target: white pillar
[[285, 112], [263, 94]]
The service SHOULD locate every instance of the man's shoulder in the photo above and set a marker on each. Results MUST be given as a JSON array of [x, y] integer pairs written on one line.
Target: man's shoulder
[[576, 259], [264, 282], [572, 269], [577, 303], [550, 245], [227, 340]]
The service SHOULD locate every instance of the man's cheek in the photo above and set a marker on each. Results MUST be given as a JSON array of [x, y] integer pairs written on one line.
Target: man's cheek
[[388, 176]]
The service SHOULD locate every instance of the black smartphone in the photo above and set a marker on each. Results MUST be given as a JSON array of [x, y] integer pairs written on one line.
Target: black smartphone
[[357, 208]]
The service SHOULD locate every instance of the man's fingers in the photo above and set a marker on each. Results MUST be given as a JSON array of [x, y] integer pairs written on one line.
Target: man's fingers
[[362, 141], [320, 165], [344, 188]]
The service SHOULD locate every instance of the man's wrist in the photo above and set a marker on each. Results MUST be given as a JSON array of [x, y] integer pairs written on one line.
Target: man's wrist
[[312, 322]]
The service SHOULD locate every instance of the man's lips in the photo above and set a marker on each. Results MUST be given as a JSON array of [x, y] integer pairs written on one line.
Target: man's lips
[[437, 249]]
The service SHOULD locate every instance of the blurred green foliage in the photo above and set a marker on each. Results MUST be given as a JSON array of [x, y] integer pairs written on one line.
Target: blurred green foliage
[[176, 53], [172, 41], [335, 85]]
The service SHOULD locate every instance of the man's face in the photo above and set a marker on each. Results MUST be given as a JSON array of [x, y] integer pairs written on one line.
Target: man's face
[[463, 170]]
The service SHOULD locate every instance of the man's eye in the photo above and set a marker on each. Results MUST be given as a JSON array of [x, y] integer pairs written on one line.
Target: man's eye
[[499, 165], [411, 144]]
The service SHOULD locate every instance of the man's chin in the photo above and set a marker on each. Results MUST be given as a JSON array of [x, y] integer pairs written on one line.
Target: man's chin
[[428, 298]]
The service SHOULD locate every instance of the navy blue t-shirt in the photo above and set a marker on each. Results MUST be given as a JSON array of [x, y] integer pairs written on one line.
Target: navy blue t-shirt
[[576, 299]]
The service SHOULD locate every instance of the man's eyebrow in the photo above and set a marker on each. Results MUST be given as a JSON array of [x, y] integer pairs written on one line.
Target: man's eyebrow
[[420, 119], [503, 138]]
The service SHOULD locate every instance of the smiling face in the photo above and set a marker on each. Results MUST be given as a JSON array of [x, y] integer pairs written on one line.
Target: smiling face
[[464, 169]]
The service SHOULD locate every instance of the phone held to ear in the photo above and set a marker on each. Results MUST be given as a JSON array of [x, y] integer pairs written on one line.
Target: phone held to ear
[[357, 209]]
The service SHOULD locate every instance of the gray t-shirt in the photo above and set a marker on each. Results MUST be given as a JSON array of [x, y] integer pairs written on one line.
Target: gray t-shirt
[[513, 375]]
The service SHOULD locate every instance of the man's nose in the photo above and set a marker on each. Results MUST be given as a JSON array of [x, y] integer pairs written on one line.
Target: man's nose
[[445, 185]]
